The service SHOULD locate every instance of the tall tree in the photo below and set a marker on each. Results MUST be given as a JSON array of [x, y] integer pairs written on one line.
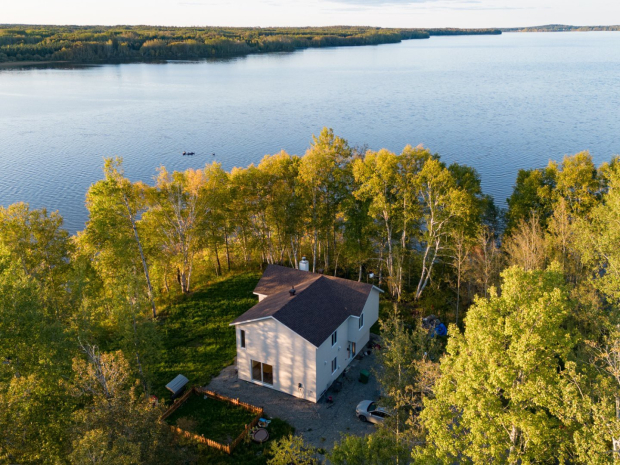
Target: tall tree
[[495, 400], [37, 241], [325, 174], [445, 205], [176, 203], [115, 206], [526, 245], [117, 424]]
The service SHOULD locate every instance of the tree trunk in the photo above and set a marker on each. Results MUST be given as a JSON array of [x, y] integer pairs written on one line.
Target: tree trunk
[[217, 260], [315, 237], [227, 251], [616, 441], [144, 265], [514, 433], [427, 268]]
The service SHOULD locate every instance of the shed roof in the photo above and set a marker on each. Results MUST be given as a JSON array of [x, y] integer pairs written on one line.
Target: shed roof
[[177, 384], [320, 304]]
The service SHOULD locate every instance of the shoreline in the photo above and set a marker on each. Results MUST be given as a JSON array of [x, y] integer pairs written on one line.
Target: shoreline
[[14, 64]]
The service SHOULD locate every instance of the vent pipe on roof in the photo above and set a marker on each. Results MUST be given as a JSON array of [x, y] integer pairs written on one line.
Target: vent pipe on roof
[[292, 291], [304, 265]]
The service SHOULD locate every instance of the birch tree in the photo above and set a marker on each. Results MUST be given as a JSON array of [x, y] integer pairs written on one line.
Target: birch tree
[[325, 174], [176, 202], [115, 206], [443, 202]]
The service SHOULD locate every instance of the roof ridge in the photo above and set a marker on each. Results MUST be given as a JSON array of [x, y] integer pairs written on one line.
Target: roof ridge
[[298, 292]]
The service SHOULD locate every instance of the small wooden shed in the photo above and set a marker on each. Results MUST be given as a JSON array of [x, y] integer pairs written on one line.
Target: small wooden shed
[[177, 385]]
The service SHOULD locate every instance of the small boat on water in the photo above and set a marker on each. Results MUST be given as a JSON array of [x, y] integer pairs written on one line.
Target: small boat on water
[[188, 153]]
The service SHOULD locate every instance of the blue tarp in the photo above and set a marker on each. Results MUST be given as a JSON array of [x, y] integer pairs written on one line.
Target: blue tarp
[[441, 330]]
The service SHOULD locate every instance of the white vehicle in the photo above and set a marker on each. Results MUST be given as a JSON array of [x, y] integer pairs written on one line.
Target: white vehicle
[[367, 410]]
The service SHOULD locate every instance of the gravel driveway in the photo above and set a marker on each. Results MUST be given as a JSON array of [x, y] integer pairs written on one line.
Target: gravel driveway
[[320, 424]]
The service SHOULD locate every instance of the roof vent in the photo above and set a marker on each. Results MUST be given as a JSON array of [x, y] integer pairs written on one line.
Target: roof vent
[[292, 291], [304, 264]]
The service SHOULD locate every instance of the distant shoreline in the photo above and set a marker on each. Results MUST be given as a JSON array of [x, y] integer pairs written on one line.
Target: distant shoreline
[[562, 28], [83, 45], [15, 64]]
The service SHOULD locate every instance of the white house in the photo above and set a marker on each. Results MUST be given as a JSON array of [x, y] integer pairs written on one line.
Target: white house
[[304, 331]]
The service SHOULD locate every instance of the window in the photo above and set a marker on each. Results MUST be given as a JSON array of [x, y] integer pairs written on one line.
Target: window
[[334, 364], [361, 321], [256, 371], [334, 337], [267, 374], [262, 372], [242, 338]]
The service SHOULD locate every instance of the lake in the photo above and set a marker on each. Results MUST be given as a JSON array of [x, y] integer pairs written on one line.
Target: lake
[[498, 103]]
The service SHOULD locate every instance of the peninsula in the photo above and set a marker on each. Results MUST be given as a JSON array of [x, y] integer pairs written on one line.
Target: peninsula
[[115, 44]]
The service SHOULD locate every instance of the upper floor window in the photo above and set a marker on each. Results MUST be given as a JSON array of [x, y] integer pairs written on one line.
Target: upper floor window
[[361, 322], [242, 338], [334, 337]]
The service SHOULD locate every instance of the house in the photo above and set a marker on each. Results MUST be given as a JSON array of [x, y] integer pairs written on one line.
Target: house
[[304, 331]]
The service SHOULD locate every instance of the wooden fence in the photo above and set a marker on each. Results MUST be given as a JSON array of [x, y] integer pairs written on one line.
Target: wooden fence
[[228, 448]]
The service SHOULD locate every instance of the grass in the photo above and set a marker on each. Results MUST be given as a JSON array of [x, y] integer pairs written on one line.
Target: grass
[[198, 343], [248, 452], [196, 339], [212, 418]]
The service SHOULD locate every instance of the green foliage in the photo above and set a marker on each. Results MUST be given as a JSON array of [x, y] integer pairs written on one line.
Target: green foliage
[[599, 236], [373, 449], [291, 450], [496, 398], [118, 425], [160, 271]]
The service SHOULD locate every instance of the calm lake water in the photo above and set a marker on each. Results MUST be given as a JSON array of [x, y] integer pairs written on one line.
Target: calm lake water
[[498, 103]]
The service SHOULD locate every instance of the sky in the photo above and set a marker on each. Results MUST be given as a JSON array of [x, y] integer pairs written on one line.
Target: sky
[[382, 13]]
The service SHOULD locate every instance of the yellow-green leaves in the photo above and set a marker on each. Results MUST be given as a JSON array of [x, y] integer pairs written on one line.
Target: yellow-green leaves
[[496, 399]]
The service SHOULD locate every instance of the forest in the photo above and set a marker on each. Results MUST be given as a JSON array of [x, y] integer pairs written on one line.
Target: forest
[[529, 371], [99, 44], [561, 28]]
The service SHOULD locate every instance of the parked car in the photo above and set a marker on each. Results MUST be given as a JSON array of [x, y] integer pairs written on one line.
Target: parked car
[[367, 410]]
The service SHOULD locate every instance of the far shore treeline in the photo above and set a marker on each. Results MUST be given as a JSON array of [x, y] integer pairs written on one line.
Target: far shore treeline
[[92, 325], [561, 28], [114, 44]]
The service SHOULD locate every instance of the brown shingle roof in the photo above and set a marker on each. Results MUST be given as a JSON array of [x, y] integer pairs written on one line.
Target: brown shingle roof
[[320, 304], [281, 278]]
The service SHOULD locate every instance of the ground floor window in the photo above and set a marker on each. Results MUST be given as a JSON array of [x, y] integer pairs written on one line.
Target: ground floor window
[[262, 372], [334, 364]]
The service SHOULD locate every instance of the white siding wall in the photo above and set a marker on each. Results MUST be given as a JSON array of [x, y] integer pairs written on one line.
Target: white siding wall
[[292, 357], [349, 330], [326, 353]]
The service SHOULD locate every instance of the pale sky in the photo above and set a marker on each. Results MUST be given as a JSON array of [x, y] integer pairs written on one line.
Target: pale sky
[[384, 13]]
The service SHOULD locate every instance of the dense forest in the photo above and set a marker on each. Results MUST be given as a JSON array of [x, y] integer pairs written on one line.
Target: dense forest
[[560, 28], [98, 44], [528, 373]]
